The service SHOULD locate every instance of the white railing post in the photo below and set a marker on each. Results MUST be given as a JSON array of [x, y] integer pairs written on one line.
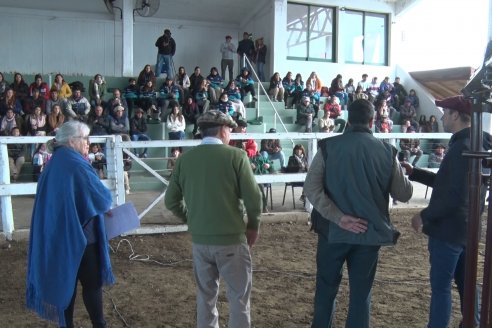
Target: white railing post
[[6, 200], [114, 164]]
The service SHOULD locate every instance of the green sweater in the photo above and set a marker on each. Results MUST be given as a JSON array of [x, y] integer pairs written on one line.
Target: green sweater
[[210, 186]]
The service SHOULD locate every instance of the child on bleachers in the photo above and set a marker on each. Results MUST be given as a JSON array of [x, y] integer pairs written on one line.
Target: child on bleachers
[[39, 160], [97, 159]]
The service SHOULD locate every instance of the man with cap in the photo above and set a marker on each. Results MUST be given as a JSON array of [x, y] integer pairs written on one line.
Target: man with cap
[[210, 198], [444, 221], [246, 47], [349, 183], [305, 114], [228, 49], [138, 130], [166, 49], [119, 124]]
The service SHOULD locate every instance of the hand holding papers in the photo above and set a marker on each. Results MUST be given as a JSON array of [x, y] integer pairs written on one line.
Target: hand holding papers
[[123, 219]]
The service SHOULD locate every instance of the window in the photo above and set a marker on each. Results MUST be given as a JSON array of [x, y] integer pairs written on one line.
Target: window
[[310, 31], [365, 37]]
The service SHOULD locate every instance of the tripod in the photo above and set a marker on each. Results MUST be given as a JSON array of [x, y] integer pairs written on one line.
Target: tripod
[[479, 91]]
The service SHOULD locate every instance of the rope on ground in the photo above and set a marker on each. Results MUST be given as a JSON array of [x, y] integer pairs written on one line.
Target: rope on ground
[[144, 258], [115, 308]]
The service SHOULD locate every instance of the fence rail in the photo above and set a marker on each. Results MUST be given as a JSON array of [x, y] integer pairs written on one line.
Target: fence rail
[[114, 157]]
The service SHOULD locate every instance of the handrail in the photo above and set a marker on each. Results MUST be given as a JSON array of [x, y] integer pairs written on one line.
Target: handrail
[[114, 157], [260, 85]]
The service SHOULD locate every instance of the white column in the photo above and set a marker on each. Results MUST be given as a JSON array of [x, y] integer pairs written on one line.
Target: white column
[[278, 53], [127, 37], [6, 201]]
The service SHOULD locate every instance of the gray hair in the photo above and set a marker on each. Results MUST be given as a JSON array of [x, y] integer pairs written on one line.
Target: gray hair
[[69, 130]]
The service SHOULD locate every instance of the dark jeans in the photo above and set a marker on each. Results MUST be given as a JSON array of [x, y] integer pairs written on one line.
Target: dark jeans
[[247, 88], [140, 137], [447, 262], [89, 275], [361, 265], [178, 135]]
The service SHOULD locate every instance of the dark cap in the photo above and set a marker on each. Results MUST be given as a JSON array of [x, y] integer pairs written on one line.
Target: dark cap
[[457, 103], [228, 37], [272, 130], [213, 118], [242, 123], [139, 110], [166, 31]]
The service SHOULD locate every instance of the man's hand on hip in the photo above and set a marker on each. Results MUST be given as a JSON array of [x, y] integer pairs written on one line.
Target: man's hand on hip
[[353, 224]]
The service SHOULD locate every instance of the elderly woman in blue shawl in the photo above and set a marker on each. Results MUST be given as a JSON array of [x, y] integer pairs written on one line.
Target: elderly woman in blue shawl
[[68, 239]]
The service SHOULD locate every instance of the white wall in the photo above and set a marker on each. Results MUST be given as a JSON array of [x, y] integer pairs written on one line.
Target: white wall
[[197, 43], [42, 42], [325, 70], [47, 41]]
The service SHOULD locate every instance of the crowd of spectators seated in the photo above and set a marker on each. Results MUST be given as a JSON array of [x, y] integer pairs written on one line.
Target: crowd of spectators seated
[[37, 109]]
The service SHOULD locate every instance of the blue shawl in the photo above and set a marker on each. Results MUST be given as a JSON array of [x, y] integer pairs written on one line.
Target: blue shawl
[[69, 194]]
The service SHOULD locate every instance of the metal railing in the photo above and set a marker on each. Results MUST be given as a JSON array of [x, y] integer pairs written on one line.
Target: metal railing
[[114, 157]]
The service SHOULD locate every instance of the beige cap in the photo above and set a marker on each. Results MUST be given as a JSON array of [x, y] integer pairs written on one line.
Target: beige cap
[[213, 118]]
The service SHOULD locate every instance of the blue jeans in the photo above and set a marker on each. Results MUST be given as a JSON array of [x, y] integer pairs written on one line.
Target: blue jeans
[[260, 67], [280, 156], [163, 65], [447, 262], [140, 137], [361, 265], [178, 135]]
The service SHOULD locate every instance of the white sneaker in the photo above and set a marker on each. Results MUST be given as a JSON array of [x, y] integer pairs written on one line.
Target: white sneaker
[[127, 192]]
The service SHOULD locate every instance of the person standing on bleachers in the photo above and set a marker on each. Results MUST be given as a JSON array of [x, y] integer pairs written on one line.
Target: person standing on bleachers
[[227, 49], [166, 49], [246, 47]]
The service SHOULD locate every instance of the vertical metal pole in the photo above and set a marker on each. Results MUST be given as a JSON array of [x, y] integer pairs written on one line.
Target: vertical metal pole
[[6, 201], [485, 314], [473, 227]]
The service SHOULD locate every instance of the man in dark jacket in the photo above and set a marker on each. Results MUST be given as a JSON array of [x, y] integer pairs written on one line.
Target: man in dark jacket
[[138, 130], [444, 221], [166, 50], [246, 47], [351, 193]]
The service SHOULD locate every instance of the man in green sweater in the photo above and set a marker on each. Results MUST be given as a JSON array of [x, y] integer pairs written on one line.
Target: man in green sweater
[[210, 187]]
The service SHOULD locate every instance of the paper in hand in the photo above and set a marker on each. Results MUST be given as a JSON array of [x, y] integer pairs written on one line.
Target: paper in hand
[[124, 218]]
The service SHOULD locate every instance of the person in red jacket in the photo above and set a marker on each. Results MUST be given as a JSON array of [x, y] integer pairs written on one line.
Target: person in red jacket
[[335, 110]]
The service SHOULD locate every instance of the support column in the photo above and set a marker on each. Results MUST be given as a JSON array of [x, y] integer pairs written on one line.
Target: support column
[[127, 37], [277, 52]]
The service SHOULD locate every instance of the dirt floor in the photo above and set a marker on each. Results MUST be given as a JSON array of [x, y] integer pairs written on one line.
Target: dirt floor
[[155, 287]]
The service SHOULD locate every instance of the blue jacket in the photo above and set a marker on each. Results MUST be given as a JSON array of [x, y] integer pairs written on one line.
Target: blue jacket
[[446, 217]]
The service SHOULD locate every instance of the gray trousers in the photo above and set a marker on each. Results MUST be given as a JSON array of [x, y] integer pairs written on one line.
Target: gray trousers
[[233, 264]]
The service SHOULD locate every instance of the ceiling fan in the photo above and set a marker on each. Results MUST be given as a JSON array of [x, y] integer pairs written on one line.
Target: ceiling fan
[[146, 8], [110, 7]]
